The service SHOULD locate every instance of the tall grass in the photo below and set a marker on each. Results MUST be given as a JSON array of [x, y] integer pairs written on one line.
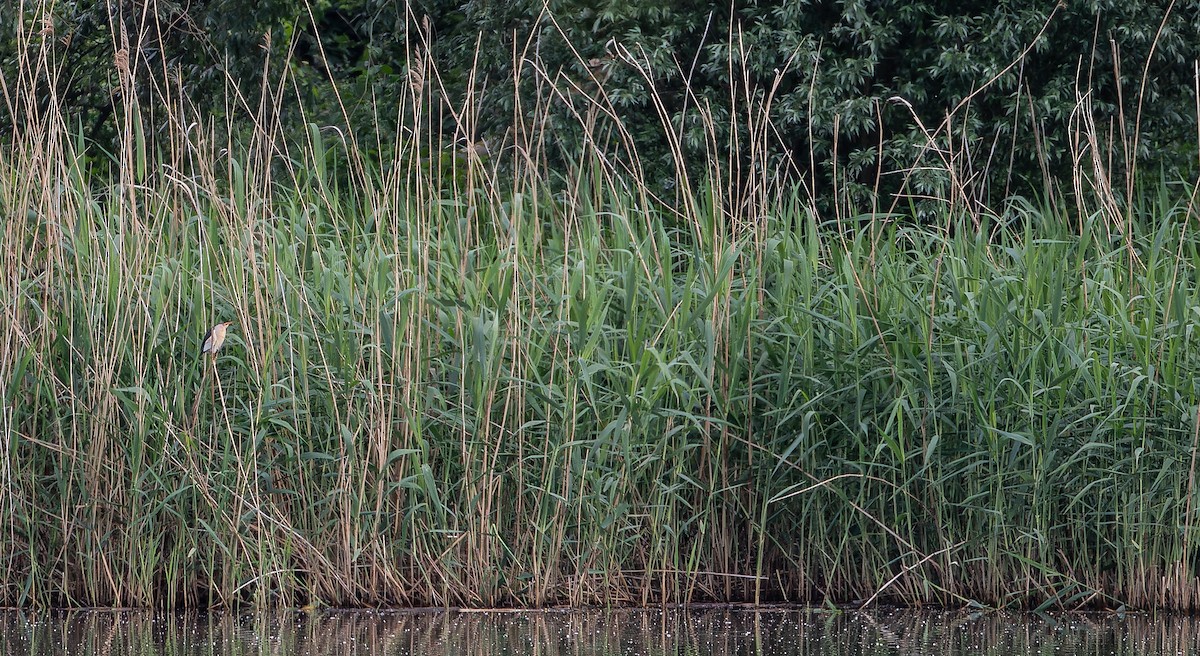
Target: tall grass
[[468, 378]]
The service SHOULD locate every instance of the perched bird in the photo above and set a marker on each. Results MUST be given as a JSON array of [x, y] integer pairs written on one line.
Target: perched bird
[[215, 337]]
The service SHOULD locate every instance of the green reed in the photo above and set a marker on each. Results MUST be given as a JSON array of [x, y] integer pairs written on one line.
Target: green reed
[[458, 383]]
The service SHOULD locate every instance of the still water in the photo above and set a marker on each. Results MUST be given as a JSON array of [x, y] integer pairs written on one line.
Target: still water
[[593, 633]]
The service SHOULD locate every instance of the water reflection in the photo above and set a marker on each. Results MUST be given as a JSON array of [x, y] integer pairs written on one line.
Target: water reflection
[[592, 633]]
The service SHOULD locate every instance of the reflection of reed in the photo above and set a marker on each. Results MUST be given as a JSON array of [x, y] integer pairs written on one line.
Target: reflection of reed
[[774, 632]]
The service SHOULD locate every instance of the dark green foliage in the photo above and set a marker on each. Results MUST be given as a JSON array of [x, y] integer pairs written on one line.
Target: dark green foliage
[[830, 73], [174, 52]]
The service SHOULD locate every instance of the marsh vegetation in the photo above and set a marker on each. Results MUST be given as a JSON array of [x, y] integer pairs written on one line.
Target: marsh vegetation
[[485, 374]]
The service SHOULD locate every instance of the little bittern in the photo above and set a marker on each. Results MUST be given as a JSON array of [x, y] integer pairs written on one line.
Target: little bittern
[[215, 337]]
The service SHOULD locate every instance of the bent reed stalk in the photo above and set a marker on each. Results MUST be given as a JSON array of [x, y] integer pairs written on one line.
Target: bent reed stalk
[[461, 378]]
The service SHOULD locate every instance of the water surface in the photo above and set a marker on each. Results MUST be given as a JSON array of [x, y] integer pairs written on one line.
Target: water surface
[[774, 632]]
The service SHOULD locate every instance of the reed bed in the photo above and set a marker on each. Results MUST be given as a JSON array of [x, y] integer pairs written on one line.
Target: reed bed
[[477, 378]]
